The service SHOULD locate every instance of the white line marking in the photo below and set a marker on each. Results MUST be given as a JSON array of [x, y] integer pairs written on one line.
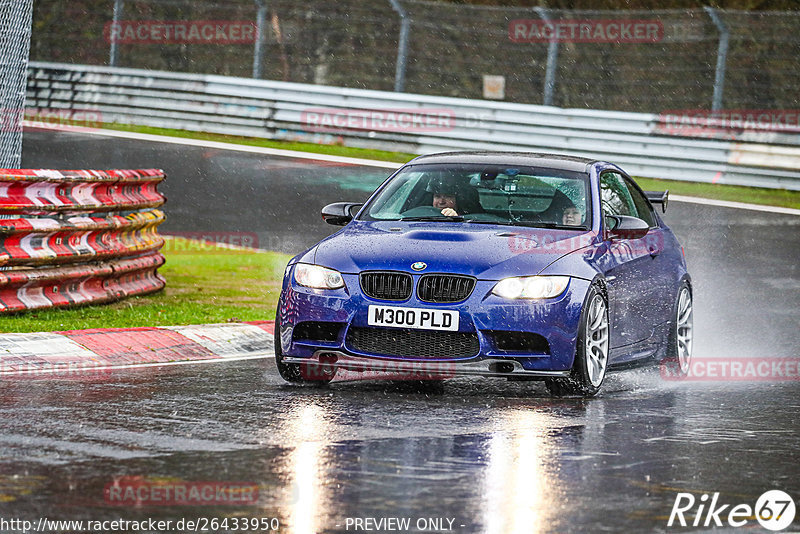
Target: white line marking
[[218, 145], [343, 159], [736, 205]]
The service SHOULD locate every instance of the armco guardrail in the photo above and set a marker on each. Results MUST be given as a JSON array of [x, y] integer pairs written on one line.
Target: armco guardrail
[[644, 144], [78, 237]]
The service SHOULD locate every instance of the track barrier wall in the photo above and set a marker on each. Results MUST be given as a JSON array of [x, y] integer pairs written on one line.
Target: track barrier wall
[[69, 238], [744, 147]]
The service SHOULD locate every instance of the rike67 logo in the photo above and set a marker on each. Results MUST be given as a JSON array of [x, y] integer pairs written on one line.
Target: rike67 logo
[[774, 510]]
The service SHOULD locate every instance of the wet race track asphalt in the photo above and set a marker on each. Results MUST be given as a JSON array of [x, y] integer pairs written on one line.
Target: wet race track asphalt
[[492, 456]]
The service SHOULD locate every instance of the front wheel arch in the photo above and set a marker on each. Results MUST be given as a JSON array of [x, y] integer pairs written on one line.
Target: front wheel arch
[[296, 373], [592, 348]]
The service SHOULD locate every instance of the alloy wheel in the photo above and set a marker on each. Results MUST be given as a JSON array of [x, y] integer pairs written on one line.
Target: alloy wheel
[[596, 348]]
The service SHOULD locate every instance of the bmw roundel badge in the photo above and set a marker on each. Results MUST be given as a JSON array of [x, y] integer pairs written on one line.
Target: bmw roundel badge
[[419, 265]]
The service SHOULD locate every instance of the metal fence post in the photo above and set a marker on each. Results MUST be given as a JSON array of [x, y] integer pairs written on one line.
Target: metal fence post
[[722, 56], [15, 42], [258, 48], [112, 54], [402, 47], [552, 62]]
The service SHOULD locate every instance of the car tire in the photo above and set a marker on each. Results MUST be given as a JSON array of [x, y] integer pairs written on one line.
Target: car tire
[[591, 353], [680, 338], [293, 372]]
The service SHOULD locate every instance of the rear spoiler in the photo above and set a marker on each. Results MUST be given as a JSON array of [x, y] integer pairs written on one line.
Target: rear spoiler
[[658, 197]]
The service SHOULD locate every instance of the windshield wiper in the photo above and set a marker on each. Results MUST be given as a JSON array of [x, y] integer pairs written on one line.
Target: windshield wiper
[[556, 226], [530, 224], [434, 218]]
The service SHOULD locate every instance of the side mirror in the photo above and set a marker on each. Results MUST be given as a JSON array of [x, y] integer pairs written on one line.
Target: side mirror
[[658, 197], [340, 213], [625, 227]]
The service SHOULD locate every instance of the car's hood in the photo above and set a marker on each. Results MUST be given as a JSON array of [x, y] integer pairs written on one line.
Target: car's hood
[[488, 252]]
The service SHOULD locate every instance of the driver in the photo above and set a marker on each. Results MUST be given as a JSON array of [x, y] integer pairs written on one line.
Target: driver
[[447, 203], [452, 198]]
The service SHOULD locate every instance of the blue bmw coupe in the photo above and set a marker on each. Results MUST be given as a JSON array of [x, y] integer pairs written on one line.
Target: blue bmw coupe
[[511, 265]]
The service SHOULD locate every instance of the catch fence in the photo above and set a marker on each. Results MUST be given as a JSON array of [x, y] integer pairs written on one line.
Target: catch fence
[[644, 61]]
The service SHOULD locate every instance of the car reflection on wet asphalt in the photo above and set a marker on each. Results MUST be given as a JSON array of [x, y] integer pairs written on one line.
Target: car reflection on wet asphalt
[[495, 456]]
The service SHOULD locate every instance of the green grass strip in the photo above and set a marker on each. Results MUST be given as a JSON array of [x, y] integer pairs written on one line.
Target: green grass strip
[[753, 195], [205, 284]]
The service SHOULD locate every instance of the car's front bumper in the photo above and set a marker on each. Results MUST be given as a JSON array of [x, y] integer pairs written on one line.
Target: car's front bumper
[[483, 313], [323, 361]]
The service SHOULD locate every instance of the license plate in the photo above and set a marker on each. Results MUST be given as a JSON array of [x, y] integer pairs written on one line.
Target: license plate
[[413, 318]]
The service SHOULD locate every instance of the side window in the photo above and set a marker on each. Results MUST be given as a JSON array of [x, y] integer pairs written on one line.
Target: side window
[[642, 206], [615, 196]]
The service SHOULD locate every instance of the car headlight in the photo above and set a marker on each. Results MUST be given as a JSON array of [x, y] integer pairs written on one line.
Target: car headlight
[[531, 287], [317, 277]]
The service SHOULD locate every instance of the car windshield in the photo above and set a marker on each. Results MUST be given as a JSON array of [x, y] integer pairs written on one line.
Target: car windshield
[[489, 194]]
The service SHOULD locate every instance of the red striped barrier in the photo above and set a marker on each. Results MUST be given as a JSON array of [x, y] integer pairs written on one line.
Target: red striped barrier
[[78, 237], [106, 281], [26, 241], [43, 192]]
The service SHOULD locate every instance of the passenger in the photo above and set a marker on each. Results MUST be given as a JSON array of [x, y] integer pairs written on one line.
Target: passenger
[[572, 216], [562, 211]]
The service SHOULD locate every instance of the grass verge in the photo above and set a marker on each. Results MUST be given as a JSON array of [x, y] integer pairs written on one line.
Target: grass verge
[[205, 284], [754, 195]]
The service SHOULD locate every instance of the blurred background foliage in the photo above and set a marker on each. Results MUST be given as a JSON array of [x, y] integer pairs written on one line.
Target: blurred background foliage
[[453, 44]]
